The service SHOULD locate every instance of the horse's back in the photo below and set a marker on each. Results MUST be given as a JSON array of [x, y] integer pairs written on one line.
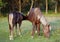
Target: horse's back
[[33, 15], [15, 17]]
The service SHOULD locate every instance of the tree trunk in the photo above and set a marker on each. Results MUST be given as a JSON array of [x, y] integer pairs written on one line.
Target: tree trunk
[[19, 5], [58, 6], [0, 11], [46, 6], [55, 7], [31, 4]]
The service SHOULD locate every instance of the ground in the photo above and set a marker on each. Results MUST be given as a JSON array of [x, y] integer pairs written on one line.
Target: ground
[[26, 29]]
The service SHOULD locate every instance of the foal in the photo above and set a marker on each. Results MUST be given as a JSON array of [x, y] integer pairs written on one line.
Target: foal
[[36, 17], [14, 18]]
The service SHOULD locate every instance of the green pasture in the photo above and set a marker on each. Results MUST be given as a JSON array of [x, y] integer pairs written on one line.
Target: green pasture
[[26, 29]]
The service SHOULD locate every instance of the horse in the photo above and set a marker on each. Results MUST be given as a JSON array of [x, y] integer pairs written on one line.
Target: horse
[[36, 17], [15, 18]]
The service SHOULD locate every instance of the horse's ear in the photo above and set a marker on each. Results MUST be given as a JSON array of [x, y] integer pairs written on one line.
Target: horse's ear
[[50, 27]]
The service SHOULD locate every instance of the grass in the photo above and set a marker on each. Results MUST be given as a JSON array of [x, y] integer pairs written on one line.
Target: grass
[[26, 29], [52, 14]]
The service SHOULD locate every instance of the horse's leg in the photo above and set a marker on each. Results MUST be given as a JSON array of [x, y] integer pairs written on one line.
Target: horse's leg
[[38, 29], [16, 28], [33, 30], [19, 30], [11, 31]]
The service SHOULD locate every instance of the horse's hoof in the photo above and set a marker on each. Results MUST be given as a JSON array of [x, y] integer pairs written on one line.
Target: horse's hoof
[[35, 31], [32, 37], [20, 35], [11, 38]]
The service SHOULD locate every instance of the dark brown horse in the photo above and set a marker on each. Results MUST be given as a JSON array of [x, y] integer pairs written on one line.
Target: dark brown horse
[[14, 18], [36, 17]]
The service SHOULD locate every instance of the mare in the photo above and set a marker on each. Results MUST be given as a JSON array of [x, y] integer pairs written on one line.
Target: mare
[[36, 17]]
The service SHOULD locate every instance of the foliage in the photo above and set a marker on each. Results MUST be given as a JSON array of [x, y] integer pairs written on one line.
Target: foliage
[[11, 5]]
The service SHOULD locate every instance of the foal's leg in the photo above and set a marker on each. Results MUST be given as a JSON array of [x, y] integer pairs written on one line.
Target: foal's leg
[[11, 31], [38, 29], [19, 30], [33, 30], [16, 28]]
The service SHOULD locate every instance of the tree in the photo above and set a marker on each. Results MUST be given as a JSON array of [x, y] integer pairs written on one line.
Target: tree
[[0, 6], [31, 4], [58, 5], [19, 5], [55, 2], [55, 7], [46, 6]]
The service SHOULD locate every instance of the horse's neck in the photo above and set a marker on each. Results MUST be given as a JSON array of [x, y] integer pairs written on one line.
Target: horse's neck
[[25, 17], [43, 20]]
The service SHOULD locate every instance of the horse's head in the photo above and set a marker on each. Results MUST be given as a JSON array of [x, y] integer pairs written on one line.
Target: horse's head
[[48, 26], [46, 30]]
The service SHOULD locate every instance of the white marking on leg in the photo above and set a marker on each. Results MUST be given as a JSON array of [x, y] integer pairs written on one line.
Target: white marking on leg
[[32, 37], [36, 31], [19, 33], [11, 37]]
